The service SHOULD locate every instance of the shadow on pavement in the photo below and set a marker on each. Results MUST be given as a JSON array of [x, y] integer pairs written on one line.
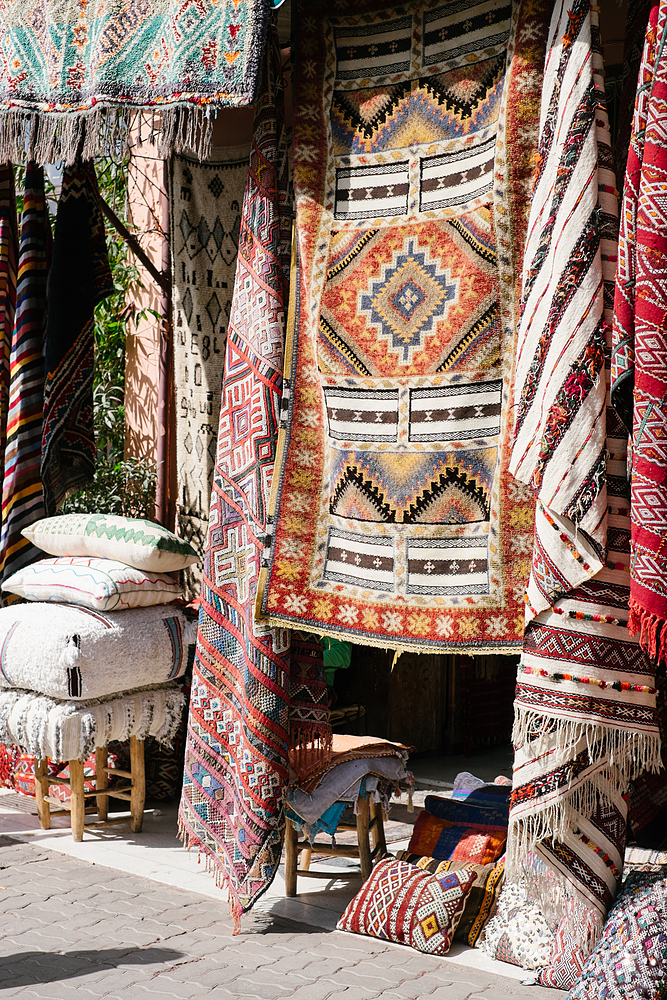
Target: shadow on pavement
[[29, 968]]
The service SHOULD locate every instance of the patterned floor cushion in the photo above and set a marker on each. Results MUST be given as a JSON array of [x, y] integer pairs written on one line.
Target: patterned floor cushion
[[488, 804], [519, 933], [480, 902], [629, 961], [401, 903], [447, 840], [568, 958]]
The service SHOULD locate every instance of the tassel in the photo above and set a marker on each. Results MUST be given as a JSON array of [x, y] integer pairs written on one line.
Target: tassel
[[72, 652]]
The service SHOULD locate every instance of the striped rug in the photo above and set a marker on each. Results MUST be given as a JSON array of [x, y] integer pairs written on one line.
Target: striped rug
[[8, 265]]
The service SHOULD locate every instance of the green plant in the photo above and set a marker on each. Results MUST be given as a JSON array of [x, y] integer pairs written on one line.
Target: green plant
[[126, 487]]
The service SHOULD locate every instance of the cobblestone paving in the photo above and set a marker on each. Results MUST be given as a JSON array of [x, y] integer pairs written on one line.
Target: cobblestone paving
[[75, 930]]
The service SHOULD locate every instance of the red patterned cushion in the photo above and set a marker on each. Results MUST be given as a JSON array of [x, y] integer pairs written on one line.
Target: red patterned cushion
[[445, 840], [567, 955], [404, 904]]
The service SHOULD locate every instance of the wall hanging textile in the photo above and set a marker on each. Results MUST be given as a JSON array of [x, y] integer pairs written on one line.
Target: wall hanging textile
[[635, 33], [310, 736], [79, 278], [639, 371], [8, 271], [560, 431], [205, 207], [394, 522], [70, 72], [236, 762], [585, 705], [22, 496]]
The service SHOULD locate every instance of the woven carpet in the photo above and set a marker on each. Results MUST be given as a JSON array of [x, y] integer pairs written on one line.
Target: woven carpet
[[236, 761], [70, 71], [640, 343], [585, 706], [205, 206], [394, 522], [22, 497], [8, 272], [79, 278]]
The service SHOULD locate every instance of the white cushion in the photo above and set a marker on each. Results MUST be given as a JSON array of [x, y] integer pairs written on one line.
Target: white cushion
[[98, 584], [129, 540], [73, 653]]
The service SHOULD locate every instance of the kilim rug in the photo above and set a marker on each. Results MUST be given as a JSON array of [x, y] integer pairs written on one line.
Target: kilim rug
[[8, 268], [70, 70], [585, 706], [236, 760], [79, 278], [394, 522], [205, 205], [639, 369], [22, 497]]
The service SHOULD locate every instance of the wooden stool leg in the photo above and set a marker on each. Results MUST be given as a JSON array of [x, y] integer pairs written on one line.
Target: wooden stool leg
[[304, 860], [363, 820], [291, 856], [78, 811], [138, 793], [42, 789], [101, 782], [377, 831]]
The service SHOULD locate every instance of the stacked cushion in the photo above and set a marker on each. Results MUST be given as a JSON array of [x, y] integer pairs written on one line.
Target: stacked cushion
[[98, 584], [519, 933], [459, 832], [73, 653], [403, 904]]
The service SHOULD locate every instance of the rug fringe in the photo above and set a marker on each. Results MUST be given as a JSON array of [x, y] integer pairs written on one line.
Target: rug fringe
[[103, 131], [652, 633], [190, 840]]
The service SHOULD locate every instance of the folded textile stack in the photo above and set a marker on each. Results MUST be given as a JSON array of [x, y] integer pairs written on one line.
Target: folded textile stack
[[93, 654]]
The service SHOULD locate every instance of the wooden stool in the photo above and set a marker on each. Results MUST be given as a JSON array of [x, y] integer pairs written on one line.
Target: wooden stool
[[134, 791], [369, 825]]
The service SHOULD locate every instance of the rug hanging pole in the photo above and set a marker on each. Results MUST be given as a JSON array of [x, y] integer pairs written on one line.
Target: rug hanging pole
[[164, 509]]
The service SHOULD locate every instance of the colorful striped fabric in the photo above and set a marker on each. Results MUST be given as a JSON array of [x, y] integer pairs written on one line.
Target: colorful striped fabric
[[8, 264], [22, 501]]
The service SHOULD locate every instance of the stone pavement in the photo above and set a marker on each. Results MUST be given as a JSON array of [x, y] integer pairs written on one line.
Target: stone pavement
[[76, 930]]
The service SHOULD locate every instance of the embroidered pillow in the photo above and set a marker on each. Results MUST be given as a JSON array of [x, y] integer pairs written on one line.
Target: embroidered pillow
[[443, 840], [71, 653], [403, 904], [630, 959], [568, 957], [98, 584], [129, 540], [519, 933], [487, 808], [480, 902]]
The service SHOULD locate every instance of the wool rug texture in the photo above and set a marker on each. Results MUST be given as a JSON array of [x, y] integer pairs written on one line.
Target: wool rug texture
[[236, 761], [205, 203], [72, 74], [79, 278], [22, 495], [9, 243], [585, 704], [639, 366], [393, 520]]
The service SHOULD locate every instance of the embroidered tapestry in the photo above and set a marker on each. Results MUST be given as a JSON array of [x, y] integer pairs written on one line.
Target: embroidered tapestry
[[640, 343], [79, 278], [236, 760], [22, 496], [70, 72], [8, 269], [205, 207], [585, 706], [394, 522]]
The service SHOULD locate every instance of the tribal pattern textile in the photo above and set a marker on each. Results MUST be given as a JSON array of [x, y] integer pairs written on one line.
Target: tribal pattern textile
[[236, 761], [639, 368], [70, 73], [585, 704], [205, 205], [79, 278], [22, 497], [8, 271], [310, 727], [393, 521]]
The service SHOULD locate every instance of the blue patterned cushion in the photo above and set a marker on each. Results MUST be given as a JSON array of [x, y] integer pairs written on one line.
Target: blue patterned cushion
[[630, 959]]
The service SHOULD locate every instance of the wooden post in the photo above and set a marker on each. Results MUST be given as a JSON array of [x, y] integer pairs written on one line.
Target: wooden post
[[41, 790], [363, 821], [78, 811], [291, 857], [377, 831], [304, 860], [138, 794], [101, 782]]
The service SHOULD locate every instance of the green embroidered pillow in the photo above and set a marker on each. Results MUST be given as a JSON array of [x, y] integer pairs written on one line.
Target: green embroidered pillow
[[128, 540]]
